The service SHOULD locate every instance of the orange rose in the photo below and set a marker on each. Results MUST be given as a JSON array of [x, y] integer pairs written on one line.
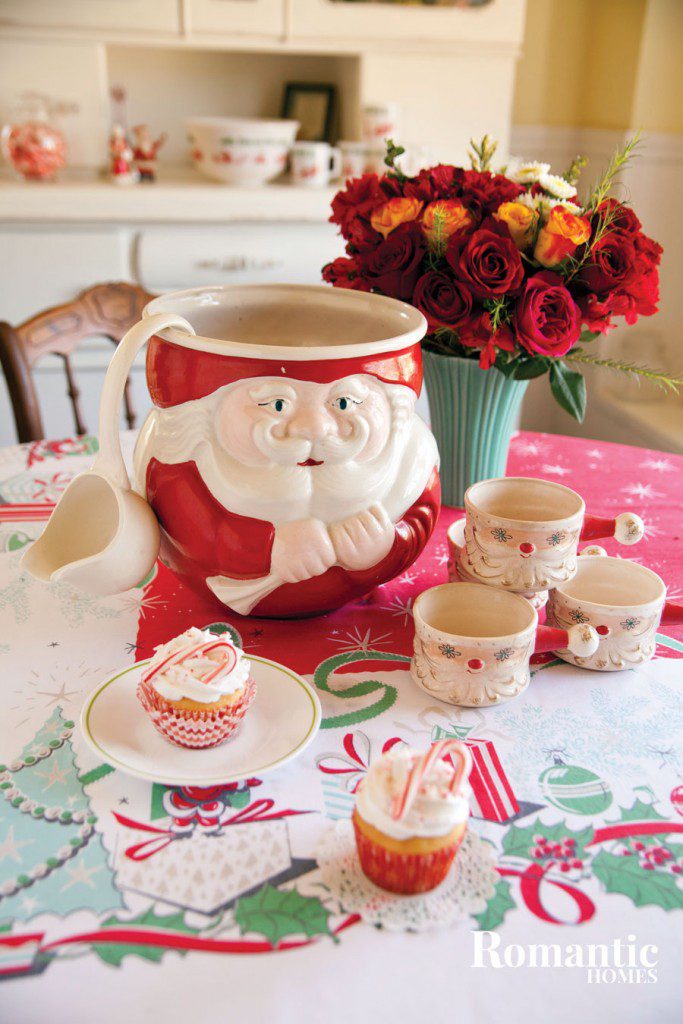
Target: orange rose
[[521, 222], [446, 217], [395, 212], [561, 236]]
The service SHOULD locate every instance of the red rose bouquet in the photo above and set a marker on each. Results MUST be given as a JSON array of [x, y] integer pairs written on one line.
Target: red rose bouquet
[[508, 268]]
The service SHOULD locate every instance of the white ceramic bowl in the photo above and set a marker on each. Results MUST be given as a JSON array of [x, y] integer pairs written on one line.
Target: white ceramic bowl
[[240, 150]]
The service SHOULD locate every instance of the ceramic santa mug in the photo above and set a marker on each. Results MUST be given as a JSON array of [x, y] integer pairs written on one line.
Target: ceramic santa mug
[[473, 643], [457, 572], [283, 460], [521, 533], [623, 601], [314, 163]]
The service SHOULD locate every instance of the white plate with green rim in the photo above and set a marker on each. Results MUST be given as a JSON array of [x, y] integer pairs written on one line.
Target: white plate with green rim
[[281, 722]]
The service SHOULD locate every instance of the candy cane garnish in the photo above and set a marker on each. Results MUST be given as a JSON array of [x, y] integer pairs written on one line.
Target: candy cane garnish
[[423, 766], [180, 656]]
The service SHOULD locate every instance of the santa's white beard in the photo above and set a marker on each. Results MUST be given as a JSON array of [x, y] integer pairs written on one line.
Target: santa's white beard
[[283, 493]]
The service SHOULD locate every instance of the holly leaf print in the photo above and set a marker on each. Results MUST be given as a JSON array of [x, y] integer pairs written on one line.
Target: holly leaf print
[[640, 811], [496, 908], [520, 842], [113, 953], [625, 875], [275, 914]]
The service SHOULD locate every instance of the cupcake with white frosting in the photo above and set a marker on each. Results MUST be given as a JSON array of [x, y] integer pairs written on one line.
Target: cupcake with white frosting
[[197, 688], [411, 815]]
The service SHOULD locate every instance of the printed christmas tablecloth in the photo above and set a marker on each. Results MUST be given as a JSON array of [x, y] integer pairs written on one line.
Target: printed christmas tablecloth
[[127, 899]]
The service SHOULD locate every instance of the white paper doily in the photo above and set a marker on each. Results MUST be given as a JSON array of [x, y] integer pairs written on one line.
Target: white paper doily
[[465, 891]]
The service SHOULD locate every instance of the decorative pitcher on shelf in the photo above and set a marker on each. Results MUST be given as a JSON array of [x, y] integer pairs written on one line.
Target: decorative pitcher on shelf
[[283, 466]]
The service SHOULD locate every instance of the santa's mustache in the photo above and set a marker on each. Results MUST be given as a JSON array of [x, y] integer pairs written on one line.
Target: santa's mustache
[[288, 451]]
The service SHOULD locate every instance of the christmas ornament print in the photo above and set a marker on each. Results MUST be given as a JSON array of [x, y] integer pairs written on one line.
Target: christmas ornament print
[[574, 789]]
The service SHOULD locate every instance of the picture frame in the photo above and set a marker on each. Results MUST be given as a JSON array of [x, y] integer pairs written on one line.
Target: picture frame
[[314, 106]]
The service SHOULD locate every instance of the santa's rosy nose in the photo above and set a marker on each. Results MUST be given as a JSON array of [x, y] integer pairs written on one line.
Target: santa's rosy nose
[[475, 665], [526, 548], [310, 423], [602, 630]]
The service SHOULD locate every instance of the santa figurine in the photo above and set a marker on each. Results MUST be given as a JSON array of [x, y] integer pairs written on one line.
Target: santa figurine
[[287, 489], [145, 151], [121, 169]]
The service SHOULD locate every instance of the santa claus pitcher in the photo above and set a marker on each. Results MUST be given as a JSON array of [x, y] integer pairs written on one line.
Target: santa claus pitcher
[[283, 458]]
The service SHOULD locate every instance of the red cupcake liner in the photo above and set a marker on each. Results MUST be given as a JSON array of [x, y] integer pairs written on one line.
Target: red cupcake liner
[[196, 729], [405, 873]]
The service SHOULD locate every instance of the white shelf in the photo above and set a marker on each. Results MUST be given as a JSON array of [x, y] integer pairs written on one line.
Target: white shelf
[[179, 196]]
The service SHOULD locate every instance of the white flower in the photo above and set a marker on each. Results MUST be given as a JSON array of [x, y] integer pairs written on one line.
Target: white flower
[[545, 205], [526, 199], [557, 186], [526, 172]]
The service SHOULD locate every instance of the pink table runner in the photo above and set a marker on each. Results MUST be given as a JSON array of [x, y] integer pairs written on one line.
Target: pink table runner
[[103, 892]]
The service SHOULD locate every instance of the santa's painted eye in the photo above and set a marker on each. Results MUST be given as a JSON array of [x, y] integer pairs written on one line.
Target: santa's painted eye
[[344, 403], [276, 404]]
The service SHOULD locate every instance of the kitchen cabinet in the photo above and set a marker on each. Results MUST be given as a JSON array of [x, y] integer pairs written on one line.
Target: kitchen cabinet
[[161, 16], [248, 17]]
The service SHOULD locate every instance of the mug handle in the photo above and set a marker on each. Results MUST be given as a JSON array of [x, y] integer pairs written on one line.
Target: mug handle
[[582, 640], [335, 163], [672, 614], [626, 528], [109, 462]]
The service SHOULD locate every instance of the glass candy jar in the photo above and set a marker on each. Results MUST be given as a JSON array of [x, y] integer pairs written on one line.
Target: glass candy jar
[[31, 143]]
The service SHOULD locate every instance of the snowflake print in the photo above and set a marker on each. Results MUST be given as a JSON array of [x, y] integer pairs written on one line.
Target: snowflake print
[[499, 534], [576, 615], [449, 651], [556, 470], [354, 640], [659, 465], [556, 538], [401, 608], [503, 654], [642, 491], [630, 623]]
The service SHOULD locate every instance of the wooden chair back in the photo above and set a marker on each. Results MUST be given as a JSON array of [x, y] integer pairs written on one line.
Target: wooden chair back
[[105, 310]]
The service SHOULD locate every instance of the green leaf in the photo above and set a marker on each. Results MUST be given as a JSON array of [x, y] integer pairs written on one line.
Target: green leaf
[[519, 841], [641, 811], [496, 908], [274, 914], [644, 888], [587, 336], [569, 389], [528, 369], [113, 953]]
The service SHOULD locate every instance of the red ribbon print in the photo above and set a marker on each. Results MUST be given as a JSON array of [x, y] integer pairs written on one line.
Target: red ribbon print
[[258, 811]]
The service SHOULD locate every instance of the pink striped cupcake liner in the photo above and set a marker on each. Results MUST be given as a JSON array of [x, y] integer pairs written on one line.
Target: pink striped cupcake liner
[[198, 729]]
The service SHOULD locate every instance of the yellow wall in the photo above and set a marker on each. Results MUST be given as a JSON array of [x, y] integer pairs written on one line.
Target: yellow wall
[[659, 97], [602, 64]]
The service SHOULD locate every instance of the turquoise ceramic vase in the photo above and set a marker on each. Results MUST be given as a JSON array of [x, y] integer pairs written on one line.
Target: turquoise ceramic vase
[[473, 414]]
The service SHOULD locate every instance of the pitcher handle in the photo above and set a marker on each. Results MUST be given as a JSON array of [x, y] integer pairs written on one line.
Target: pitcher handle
[[582, 640], [626, 528], [109, 461]]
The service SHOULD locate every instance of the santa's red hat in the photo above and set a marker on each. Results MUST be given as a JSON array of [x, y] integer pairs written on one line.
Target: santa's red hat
[[177, 374]]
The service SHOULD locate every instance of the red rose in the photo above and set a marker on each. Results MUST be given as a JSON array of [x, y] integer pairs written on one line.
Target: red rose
[[596, 315], [361, 236], [344, 272], [487, 261], [445, 302], [611, 263], [394, 266], [648, 251], [440, 182], [547, 320], [358, 199], [622, 217], [483, 192]]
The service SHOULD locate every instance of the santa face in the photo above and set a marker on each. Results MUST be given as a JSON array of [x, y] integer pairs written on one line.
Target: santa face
[[267, 421]]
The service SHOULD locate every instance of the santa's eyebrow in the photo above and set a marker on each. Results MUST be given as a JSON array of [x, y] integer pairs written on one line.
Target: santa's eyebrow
[[274, 390], [351, 387]]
